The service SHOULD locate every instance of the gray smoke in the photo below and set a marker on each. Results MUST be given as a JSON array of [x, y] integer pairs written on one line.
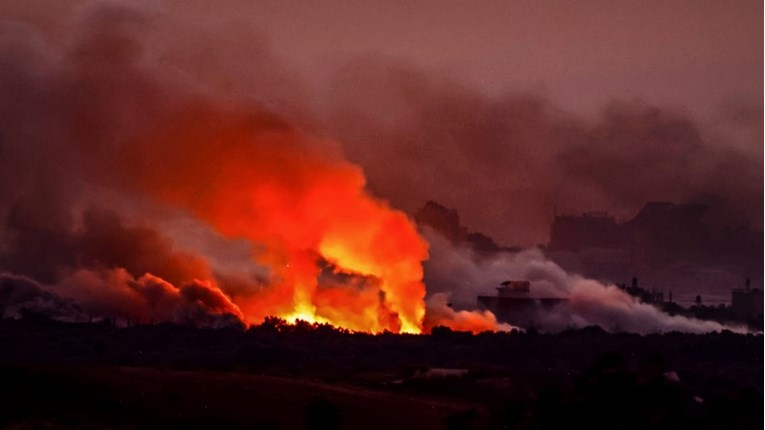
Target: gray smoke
[[458, 273], [70, 231], [69, 103], [507, 163], [23, 297]]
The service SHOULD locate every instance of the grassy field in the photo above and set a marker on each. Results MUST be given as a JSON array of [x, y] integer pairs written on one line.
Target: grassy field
[[96, 376], [127, 398]]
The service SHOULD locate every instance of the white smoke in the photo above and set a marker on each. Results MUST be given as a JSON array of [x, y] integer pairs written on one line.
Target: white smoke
[[463, 275]]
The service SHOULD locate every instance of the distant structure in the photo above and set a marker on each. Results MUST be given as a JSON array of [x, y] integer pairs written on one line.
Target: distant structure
[[668, 244], [747, 302], [509, 288], [660, 230], [514, 304], [446, 222], [652, 296]]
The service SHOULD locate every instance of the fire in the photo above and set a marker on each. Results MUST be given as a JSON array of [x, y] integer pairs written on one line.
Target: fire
[[303, 208]]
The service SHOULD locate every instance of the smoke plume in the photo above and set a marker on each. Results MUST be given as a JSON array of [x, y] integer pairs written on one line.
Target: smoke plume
[[132, 119], [509, 162], [103, 122], [457, 272]]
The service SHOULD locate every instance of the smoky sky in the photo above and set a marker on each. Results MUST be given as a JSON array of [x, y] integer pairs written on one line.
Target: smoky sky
[[119, 122], [511, 111], [694, 54], [510, 163], [507, 111]]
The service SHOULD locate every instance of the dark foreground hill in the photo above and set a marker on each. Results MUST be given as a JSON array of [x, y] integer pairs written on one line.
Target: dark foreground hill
[[55, 375]]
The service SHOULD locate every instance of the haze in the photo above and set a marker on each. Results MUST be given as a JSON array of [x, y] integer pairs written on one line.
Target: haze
[[506, 111]]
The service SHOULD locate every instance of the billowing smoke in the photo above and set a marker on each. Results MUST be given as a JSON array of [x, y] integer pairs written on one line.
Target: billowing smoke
[[133, 121], [257, 178], [117, 294], [87, 270], [509, 162], [442, 313], [103, 122], [456, 272], [23, 297]]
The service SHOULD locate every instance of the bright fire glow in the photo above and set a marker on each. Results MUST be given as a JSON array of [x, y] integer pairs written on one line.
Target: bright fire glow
[[302, 208]]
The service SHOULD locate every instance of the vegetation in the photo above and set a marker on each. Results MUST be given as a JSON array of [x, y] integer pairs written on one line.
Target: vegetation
[[514, 380]]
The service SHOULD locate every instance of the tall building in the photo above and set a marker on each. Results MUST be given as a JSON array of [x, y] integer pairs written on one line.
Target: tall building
[[668, 245], [747, 302]]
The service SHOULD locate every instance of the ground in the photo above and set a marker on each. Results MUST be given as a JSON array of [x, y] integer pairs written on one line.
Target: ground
[[55, 375]]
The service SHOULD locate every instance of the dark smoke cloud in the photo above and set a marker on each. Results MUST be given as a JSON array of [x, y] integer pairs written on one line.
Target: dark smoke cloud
[[116, 293], [508, 162], [71, 232], [83, 295], [69, 107], [101, 241], [129, 117], [21, 297]]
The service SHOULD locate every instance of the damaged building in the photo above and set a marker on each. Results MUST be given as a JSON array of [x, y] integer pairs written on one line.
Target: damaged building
[[517, 305], [668, 245]]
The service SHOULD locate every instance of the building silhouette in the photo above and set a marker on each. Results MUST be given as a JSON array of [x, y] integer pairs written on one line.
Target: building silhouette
[[746, 303], [668, 245], [517, 305]]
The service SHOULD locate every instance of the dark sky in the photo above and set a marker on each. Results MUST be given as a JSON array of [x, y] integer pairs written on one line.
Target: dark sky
[[503, 110], [700, 61], [688, 53], [694, 54]]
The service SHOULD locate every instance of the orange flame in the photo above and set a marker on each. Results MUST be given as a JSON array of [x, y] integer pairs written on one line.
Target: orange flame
[[255, 178], [300, 205]]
